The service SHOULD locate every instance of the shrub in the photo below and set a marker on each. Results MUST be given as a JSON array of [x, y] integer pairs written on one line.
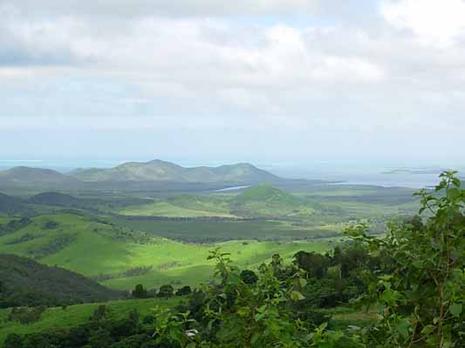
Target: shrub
[[166, 290], [185, 290]]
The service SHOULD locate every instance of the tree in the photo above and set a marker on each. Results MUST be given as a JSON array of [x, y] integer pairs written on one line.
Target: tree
[[139, 291], [316, 265], [166, 290]]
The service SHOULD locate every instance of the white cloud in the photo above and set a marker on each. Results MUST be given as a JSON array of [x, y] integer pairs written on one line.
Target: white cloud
[[170, 8], [85, 65], [432, 21]]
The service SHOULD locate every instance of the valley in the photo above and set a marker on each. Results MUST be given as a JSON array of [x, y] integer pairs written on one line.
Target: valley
[[124, 238], [119, 229]]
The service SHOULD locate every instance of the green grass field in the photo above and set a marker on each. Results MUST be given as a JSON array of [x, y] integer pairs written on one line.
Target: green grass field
[[57, 318], [168, 240], [169, 209], [109, 252]]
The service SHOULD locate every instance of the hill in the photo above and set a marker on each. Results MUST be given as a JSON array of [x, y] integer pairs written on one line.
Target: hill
[[54, 198], [35, 178], [266, 194], [157, 170], [11, 205], [268, 201], [27, 282], [121, 258]]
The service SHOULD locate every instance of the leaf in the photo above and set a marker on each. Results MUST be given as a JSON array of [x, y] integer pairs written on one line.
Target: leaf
[[427, 330], [297, 296], [456, 309], [403, 327], [453, 194]]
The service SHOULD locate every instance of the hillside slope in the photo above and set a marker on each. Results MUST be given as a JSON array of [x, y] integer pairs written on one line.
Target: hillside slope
[[121, 257], [27, 282], [268, 201]]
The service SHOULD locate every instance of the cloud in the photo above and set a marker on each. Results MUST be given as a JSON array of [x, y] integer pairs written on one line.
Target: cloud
[[300, 68], [169, 8], [431, 21]]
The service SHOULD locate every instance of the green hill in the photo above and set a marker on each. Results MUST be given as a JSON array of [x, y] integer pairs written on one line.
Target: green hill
[[268, 201], [11, 205], [157, 170], [54, 198], [266, 194], [26, 282], [120, 257], [36, 178]]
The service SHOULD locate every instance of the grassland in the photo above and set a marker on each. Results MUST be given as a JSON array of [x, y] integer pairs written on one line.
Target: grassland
[[149, 239], [161, 240], [111, 253], [57, 318], [169, 209]]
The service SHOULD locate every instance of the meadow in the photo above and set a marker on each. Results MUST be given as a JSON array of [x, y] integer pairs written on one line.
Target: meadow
[[61, 318], [121, 240], [156, 240], [121, 258]]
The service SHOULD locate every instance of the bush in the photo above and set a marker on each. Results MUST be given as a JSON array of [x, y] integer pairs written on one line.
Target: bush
[[185, 290], [26, 315], [166, 290], [248, 277]]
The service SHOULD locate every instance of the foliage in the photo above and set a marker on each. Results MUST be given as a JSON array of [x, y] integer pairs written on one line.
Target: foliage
[[420, 285], [166, 290], [185, 290], [26, 315], [237, 313]]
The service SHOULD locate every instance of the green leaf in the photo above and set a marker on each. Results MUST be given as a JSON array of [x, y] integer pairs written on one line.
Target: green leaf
[[297, 296], [456, 309], [453, 194], [403, 327]]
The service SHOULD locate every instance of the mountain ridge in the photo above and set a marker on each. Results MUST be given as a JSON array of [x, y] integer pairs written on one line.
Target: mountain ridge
[[158, 170], [31, 176], [154, 175]]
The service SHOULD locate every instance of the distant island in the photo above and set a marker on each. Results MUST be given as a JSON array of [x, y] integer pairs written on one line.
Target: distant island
[[414, 171]]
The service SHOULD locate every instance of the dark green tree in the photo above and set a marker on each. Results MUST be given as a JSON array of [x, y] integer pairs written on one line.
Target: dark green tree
[[139, 291], [166, 290]]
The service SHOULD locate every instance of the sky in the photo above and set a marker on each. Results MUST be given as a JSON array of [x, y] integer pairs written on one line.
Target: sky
[[246, 80]]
